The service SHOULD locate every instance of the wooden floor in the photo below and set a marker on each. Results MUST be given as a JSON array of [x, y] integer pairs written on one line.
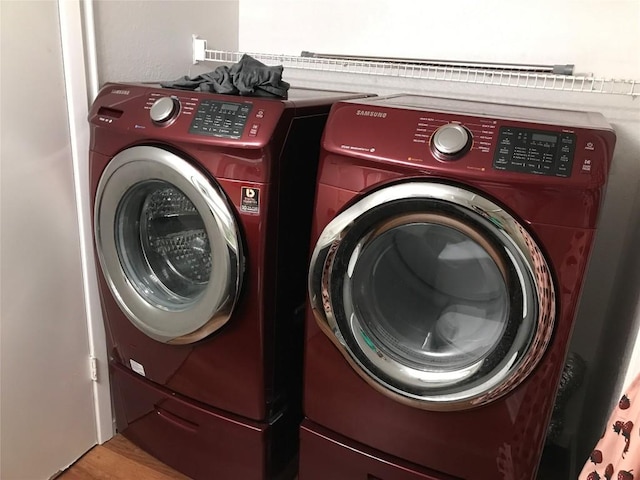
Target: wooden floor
[[119, 459]]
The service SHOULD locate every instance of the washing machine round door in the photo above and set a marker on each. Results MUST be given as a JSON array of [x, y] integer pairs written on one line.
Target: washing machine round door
[[168, 244], [434, 294]]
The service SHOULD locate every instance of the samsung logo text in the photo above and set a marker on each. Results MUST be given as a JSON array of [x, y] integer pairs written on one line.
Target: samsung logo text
[[371, 113]]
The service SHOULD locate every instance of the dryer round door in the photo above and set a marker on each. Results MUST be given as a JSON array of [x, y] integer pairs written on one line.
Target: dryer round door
[[434, 294], [168, 244]]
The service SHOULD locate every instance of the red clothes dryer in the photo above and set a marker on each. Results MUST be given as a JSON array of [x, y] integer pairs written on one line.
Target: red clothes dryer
[[202, 212], [450, 243]]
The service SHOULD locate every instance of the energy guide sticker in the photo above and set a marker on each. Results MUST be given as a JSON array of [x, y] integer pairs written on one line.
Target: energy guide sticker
[[250, 201]]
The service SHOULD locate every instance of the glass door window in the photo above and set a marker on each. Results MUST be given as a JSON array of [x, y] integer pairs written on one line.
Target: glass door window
[[429, 295], [163, 245], [436, 295], [168, 244]]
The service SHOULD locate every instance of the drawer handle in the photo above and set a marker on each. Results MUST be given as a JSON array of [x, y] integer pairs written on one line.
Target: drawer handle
[[176, 420]]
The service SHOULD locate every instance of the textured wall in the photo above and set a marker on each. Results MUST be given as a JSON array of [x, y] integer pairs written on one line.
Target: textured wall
[[151, 40]]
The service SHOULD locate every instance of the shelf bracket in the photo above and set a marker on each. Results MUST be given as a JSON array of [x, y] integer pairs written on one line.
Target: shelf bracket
[[199, 47]]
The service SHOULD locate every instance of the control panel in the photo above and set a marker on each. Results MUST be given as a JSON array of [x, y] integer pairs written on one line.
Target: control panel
[[535, 151], [220, 119]]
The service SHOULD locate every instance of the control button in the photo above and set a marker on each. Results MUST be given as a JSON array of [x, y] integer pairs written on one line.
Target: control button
[[450, 139], [164, 109]]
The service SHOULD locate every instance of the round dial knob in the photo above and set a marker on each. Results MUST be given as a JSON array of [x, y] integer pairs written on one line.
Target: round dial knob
[[164, 109], [450, 139]]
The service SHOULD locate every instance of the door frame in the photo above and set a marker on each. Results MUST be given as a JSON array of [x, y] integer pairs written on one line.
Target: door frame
[[81, 89]]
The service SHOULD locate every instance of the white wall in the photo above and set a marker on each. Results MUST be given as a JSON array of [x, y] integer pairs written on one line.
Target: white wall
[[46, 394], [150, 41], [512, 31]]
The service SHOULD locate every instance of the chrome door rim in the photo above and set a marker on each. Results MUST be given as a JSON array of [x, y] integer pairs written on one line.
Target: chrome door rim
[[214, 306], [519, 247]]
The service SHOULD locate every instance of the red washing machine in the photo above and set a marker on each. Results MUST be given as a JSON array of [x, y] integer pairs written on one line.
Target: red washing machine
[[202, 212], [451, 241]]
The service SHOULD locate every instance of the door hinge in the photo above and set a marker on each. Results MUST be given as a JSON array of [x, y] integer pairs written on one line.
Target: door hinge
[[93, 368]]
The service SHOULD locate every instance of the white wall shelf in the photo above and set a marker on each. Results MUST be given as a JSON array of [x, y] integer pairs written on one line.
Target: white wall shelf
[[486, 76]]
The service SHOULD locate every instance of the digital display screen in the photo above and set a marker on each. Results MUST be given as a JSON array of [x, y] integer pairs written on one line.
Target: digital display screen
[[229, 107], [538, 152], [539, 137]]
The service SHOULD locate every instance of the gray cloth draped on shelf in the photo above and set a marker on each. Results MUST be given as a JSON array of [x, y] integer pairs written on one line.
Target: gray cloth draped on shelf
[[247, 77]]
